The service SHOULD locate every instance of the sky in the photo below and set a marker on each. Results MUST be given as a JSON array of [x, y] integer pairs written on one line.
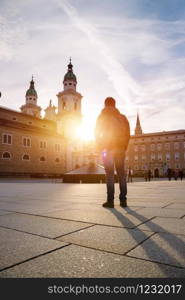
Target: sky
[[132, 50]]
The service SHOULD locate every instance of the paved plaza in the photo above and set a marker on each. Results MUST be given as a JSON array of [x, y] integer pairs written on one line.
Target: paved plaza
[[52, 229]]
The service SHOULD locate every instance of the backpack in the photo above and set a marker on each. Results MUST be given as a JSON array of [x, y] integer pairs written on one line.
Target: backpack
[[114, 133]]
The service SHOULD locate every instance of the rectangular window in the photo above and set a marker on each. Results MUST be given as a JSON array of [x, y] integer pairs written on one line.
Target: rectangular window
[[43, 144], [159, 156], [159, 147], [57, 147], [135, 157], [177, 155], [152, 157], [167, 146], [176, 145], [167, 156], [136, 148], [152, 147], [7, 138], [26, 141], [143, 147]]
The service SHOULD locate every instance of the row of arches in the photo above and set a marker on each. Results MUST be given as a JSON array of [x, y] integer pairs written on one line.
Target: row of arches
[[7, 155]]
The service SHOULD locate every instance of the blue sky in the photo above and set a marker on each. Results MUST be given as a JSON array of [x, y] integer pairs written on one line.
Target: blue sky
[[132, 50]]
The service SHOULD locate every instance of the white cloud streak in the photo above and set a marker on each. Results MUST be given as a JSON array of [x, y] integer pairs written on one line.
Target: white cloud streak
[[123, 83]]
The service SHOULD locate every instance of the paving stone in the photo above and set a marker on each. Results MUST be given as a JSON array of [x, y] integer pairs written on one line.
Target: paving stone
[[80, 262], [161, 212], [117, 240], [115, 217], [170, 225], [19, 246], [40, 225], [163, 247]]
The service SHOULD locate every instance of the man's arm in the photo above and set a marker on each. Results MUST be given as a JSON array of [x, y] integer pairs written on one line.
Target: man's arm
[[127, 131]]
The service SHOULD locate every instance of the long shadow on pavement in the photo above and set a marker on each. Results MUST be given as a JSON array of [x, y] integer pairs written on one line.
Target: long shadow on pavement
[[153, 245]]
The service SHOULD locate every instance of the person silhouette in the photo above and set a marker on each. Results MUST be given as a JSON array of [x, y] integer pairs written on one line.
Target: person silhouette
[[112, 134]]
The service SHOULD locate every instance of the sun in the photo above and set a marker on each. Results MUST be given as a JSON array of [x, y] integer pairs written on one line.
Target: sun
[[85, 131]]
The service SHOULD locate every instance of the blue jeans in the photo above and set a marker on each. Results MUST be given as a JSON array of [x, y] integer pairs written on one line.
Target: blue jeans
[[115, 159]]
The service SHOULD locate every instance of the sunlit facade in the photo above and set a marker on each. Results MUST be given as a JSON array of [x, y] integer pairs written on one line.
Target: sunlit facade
[[31, 145], [156, 151]]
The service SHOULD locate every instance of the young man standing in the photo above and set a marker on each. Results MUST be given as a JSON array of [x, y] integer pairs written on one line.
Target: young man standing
[[112, 135]]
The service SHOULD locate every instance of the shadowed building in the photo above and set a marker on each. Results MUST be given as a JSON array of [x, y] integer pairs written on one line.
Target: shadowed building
[[31, 145], [157, 151]]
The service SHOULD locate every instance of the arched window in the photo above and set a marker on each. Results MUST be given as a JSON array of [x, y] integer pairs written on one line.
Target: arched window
[[75, 106], [26, 157], [6, 155], [57, 160], [64, 105], [42, 158]]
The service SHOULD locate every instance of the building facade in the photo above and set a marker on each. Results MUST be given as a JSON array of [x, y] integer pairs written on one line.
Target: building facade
[[31, 145], [156, 151]]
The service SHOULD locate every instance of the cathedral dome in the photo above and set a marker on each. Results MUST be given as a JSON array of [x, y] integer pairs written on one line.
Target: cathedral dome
[[31, 91], [70, 75]]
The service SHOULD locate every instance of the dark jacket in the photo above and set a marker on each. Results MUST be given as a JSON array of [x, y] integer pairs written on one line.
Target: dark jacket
[[104, 124]]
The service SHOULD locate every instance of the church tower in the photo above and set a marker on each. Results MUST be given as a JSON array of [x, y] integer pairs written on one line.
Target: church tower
[[138, 129], [31, 107], [69, 104], [50, 112]]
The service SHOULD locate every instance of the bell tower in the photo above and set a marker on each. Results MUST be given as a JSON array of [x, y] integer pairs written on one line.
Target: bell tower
[[31, 107], [69, 104]]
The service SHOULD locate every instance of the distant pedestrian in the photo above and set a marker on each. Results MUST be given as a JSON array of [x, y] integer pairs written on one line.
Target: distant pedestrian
[[169, 173], [130, 174], [149, 175], [112, 135], [181, 174], [175, 174]]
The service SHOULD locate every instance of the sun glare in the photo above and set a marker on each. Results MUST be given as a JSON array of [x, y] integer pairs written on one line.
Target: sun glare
[[85, 132]]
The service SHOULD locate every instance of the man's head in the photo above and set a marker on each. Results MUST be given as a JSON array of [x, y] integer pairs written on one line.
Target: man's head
[[109, 101]]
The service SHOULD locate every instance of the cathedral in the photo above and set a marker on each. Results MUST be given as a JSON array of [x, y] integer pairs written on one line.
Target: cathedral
[[31, 145]]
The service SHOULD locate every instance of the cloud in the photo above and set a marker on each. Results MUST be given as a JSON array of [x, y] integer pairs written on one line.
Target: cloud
[[115, 71]]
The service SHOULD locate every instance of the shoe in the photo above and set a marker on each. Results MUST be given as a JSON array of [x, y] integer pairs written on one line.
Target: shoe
[[108, 204], [123, 204]]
